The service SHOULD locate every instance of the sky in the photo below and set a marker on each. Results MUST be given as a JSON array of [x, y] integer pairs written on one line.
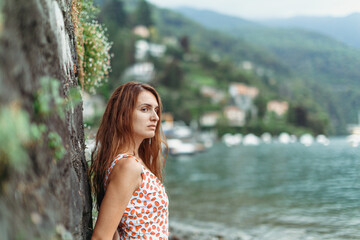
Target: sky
[[261, 9]]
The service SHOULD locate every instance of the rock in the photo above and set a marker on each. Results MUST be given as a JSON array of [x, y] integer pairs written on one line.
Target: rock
[[37, 40]]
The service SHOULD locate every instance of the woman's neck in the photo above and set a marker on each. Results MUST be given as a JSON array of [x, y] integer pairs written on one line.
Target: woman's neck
[[133, 149]]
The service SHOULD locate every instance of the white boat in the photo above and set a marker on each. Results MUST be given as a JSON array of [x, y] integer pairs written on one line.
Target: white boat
[[322, 139], [178, 147], [284, 138], [232, 140], [251, 140], [266, 137], [353, 140], [306, 139], [182, 131]]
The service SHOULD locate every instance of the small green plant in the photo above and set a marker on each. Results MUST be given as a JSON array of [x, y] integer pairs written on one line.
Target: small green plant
[[55, 143], [48, 100], [15, 135], [47, 97]]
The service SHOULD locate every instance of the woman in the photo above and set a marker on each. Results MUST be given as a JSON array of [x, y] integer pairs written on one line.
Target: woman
[[127, 165]]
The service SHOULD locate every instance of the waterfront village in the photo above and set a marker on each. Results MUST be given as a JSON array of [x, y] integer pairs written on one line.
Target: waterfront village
[[183, 139], [202, 134]]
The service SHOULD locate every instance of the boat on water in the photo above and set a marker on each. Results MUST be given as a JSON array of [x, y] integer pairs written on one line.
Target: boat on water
[[266, 137], [183, 147], [181, 140], [354, 138], [251, 140], [306, 139], [284, 138], [231, 139], [322, 139]]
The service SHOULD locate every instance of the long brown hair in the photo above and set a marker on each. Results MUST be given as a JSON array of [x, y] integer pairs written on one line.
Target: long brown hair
[[115, 136]]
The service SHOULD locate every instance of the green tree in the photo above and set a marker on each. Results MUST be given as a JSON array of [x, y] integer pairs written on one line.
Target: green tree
[[172, 76], [298, 115], [123, 51], [113, 15], [261, 103], [143, 14]]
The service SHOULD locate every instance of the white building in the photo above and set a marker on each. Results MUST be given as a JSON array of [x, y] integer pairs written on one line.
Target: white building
[[144, 48], [141, 72], [209, 119], [236, 117], [215, 95], [141, 31], [243, 95]]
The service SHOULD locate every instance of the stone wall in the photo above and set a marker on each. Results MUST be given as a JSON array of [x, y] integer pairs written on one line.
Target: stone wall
[[51, 198]]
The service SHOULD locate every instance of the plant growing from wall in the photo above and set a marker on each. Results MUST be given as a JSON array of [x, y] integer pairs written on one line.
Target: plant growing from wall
[[93, 46], [18, 133]]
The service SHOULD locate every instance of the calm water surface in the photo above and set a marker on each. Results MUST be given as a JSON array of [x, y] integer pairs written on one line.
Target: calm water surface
[[272, 191]]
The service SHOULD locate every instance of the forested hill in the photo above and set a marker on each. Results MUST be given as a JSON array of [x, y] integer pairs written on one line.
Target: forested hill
[[308, 53], [345, 29], [170, 23], [319, 61]]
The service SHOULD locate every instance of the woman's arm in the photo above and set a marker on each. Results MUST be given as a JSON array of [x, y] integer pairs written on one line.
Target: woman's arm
[[124, 179], [116, 236]]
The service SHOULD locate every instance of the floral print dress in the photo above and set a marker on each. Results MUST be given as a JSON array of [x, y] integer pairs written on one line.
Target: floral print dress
[[146, 215]]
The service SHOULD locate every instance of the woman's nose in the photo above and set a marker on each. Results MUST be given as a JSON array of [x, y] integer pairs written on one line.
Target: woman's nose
[[154, 116]]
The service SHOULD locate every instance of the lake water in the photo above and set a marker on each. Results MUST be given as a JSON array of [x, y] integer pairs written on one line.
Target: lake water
[[270, 191]]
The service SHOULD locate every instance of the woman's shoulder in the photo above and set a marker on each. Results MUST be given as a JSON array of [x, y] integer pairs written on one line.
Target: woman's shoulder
[[127, 163], [126, 167]]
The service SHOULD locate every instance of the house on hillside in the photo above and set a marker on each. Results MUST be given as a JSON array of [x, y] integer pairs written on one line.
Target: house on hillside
[[236, 116], [215, 95], [141, 31], [141, 72], [209, 119], [243, 96], [247, 65], [144, 48], [278, 107]]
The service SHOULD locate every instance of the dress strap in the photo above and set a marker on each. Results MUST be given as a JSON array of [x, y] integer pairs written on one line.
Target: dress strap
[[129, 155], [137, 160]]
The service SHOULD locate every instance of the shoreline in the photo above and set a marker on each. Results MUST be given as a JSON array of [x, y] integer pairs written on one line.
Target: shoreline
[[205, 231]]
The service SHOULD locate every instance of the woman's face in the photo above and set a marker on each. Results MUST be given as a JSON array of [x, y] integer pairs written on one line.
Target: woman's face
[[145, 116]]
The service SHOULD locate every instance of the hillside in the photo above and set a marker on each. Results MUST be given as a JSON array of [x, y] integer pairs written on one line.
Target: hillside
[[319, 61], [170, 23], [275, 75], [345, 29], [309, 53]]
